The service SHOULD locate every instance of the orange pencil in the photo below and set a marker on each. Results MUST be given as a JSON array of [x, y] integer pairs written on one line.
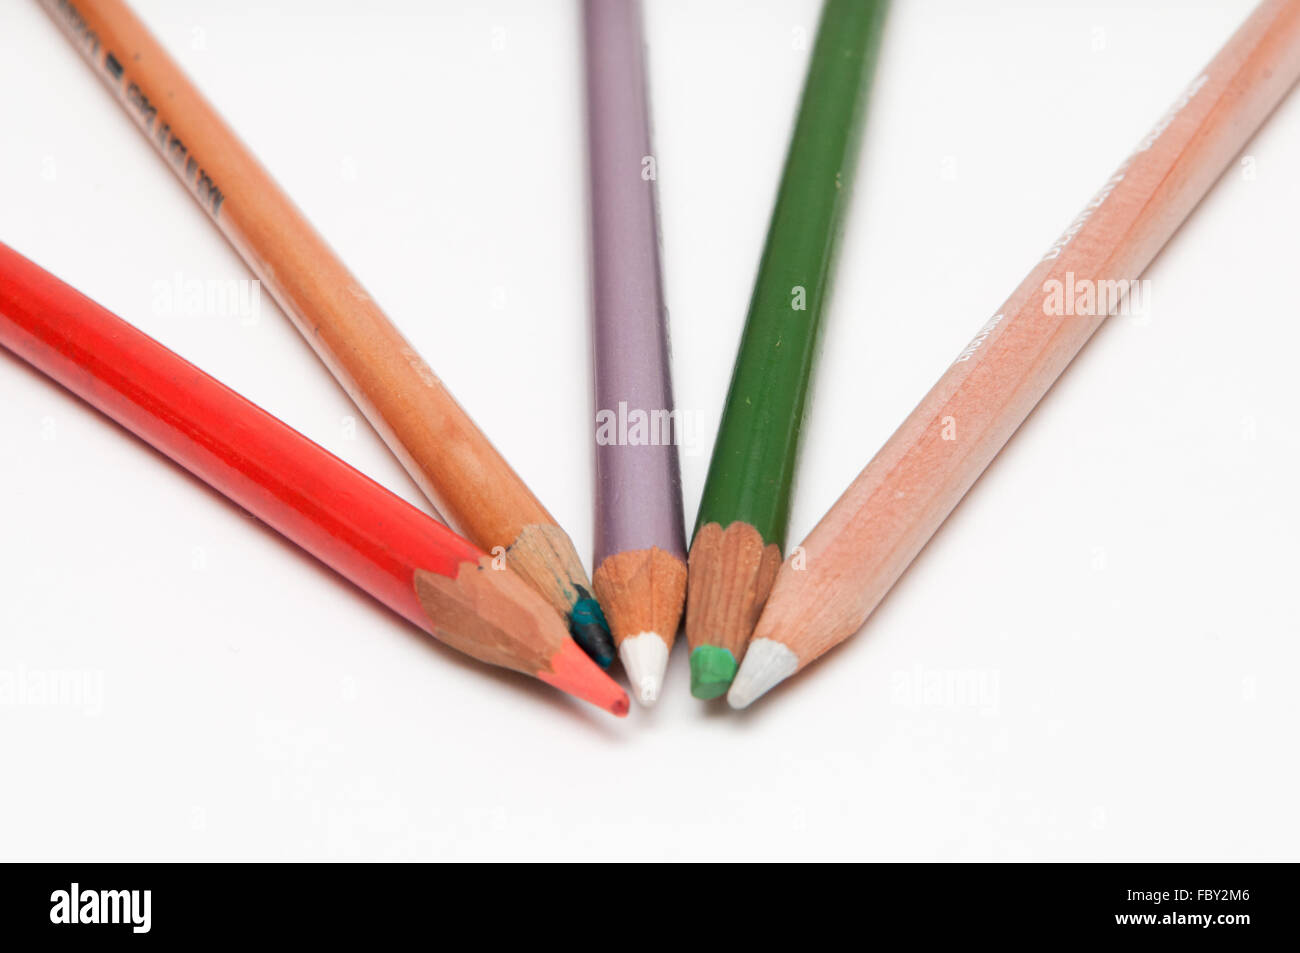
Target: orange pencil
[[446, 454], [824, 593]]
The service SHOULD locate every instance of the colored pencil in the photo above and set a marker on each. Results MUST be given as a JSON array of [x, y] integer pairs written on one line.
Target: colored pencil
[[889, 512], [640, 560], [408, 561], [446, 454], [744, 512]]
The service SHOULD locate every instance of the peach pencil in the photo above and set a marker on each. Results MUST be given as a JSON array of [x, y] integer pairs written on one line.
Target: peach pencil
[[889, 512]]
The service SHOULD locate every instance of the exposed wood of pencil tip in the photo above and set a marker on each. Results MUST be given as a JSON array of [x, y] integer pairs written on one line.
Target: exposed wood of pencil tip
[[642, 590], [544, 555], [730, 575], [828, 608], [493, 616]]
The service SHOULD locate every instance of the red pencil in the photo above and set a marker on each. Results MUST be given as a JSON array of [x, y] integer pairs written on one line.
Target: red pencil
[[406, 560]]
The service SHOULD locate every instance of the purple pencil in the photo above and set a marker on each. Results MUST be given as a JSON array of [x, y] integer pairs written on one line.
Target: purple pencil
[[640, 577]]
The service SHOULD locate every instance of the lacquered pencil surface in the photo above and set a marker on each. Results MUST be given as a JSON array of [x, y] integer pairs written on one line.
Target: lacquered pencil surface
[[638, 481], [451, 460], [871, 534], [640, 551], [740, 531], [754, 458], [368, 535]]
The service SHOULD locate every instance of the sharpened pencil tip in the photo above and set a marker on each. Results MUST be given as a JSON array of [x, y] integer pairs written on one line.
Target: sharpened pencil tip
[[644, 657], [573, 672], [767, 664], [590, 630], [712, 669]]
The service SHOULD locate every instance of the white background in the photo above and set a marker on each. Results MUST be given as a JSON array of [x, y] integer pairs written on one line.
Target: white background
[[1095, 658]]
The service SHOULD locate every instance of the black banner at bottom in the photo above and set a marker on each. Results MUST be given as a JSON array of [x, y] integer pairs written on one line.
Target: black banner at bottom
[[136, 903]]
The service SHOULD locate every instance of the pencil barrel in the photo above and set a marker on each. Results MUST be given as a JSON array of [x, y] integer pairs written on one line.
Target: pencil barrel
[[753, 464], [890, 511], [345, 519], [638, 479], [451, 460]]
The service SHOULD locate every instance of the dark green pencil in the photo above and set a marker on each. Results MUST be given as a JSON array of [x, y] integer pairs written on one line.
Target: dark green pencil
[[740, 531]]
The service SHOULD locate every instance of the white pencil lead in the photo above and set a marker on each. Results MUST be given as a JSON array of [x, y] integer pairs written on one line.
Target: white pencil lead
[[767, 663], [645, 657]]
